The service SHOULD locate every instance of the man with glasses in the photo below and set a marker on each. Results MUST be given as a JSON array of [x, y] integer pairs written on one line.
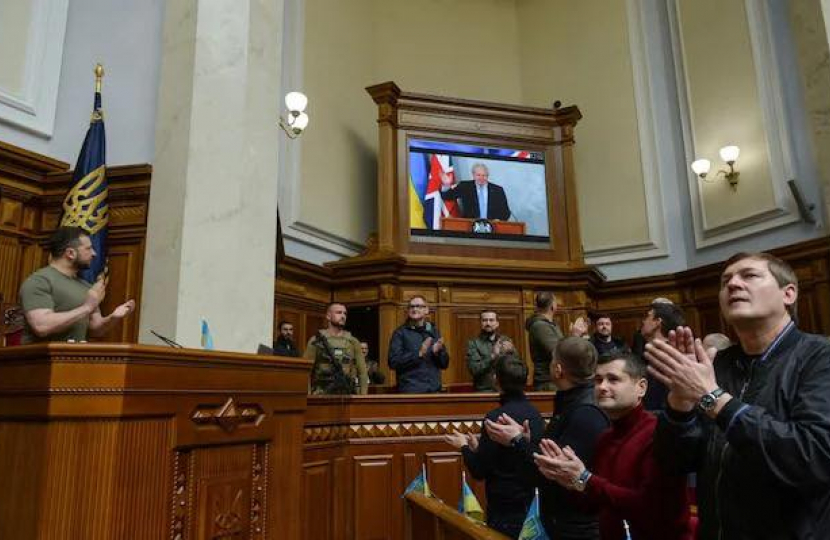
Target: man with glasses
[[416, 351]]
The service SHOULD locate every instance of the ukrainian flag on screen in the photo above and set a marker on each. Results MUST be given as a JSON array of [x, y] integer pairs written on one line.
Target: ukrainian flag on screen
[[418, 179], [86, 205]]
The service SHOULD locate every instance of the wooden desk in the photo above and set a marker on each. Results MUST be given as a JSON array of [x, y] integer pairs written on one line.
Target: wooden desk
[[499, 227], [361, 452], [137, 442]]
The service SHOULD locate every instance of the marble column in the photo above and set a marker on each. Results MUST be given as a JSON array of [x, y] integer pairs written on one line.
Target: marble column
[[211, 235]]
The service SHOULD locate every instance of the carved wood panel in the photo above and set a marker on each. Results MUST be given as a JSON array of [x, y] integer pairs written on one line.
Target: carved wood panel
[[373, 507], [444, 473], [126, 263], [10, 257], [223, 489], [318, 491]]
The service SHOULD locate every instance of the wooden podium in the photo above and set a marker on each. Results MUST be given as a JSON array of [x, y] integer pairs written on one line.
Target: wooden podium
[[499, 227], [138, 442]]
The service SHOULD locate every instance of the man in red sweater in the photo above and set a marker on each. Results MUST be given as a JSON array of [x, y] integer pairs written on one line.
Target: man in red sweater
[[625, 486]]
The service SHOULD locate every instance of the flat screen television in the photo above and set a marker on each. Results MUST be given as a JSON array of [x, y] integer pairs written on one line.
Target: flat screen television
[[474, 193]]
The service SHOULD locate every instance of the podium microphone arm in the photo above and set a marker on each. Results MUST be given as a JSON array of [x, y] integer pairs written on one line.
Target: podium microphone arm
[[167, 340]]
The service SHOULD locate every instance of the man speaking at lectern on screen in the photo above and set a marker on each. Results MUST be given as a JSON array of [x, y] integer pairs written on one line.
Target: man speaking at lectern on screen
[[478, 198]]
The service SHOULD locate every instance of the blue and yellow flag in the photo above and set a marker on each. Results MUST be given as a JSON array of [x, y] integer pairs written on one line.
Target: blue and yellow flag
[[468, 504], [419, 484], [207, 337], [86, 205], [533, 529]]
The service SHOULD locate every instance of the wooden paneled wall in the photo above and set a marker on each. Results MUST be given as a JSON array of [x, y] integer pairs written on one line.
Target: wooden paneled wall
[[32, 188], [360, 453], [456, 298]]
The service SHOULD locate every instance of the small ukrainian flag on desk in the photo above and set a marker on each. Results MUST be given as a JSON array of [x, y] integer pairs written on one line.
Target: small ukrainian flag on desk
[[533, 528], [207, 338], [468, 504], [419, 484]]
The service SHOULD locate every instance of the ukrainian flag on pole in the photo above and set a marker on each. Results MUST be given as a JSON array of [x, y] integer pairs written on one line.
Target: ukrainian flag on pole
[[533, 528], [207, 337], [86, 205], [468, 504]]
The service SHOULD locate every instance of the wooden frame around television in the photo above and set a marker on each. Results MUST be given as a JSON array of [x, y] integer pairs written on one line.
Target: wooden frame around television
[[404, 115]]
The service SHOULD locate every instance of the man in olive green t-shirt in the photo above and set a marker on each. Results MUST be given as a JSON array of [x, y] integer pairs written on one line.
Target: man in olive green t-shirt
[[60, 306]]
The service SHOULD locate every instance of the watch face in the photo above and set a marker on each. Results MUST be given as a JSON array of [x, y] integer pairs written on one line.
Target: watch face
[[707, 402]]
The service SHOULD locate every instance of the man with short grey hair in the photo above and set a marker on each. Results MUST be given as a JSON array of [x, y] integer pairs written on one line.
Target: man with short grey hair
[[478, 198]]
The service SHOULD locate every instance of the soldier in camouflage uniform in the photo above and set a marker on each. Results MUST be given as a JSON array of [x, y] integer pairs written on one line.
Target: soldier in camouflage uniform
[[346, 351]]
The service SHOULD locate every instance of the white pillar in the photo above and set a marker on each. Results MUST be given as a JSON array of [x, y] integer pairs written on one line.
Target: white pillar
[[211, 234]]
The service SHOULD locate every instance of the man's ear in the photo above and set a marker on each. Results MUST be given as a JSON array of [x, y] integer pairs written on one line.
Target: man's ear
[[790, 294], [642, 387]]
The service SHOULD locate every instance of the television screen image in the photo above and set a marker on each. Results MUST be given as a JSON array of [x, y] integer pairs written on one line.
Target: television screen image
[[481, 192]]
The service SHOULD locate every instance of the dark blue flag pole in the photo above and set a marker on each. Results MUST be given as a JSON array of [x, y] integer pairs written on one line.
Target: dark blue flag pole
[[86, 203]]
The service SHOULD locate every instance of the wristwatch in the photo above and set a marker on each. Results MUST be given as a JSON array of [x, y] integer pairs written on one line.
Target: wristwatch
[[515, 441], [708, 401], [582, 480]]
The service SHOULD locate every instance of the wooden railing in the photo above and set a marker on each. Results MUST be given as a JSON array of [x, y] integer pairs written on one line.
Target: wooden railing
[[428, 518]]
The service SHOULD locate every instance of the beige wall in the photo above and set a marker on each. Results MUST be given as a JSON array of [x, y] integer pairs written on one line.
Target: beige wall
[[586, 53], [578, 52], [465, 48], [14, 38], [725, 107]]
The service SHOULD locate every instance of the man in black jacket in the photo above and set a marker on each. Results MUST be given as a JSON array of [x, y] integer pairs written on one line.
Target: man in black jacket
[[508, 493], [479, 198], [755, 423], [284, 344], [603, 339], [416, 351], [577, 422]]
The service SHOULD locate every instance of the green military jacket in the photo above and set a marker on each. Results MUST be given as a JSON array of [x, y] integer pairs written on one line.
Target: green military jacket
[[481, 363], [346, 349]]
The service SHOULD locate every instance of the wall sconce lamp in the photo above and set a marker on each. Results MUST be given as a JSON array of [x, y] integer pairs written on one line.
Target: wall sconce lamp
[[729, 154], [297, 120]]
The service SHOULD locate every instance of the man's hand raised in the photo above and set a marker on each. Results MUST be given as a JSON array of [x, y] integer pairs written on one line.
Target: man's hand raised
[[95, 295], [684, 366]]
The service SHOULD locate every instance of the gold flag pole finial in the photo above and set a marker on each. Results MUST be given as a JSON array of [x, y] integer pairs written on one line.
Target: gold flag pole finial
[[99, 74]]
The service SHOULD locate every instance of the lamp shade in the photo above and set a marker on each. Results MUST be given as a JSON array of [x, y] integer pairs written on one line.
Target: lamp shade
[[701, 166], [296, 101], [300, 122], [730, 153]]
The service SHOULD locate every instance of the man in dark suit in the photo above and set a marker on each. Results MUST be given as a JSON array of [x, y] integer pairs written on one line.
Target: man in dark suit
[[478, 198]]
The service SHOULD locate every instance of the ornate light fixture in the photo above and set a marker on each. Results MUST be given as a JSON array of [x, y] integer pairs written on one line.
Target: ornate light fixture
[[729, 154], [297, 120]]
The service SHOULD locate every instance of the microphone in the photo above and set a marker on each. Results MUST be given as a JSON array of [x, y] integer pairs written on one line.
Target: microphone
[[166, 340]]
